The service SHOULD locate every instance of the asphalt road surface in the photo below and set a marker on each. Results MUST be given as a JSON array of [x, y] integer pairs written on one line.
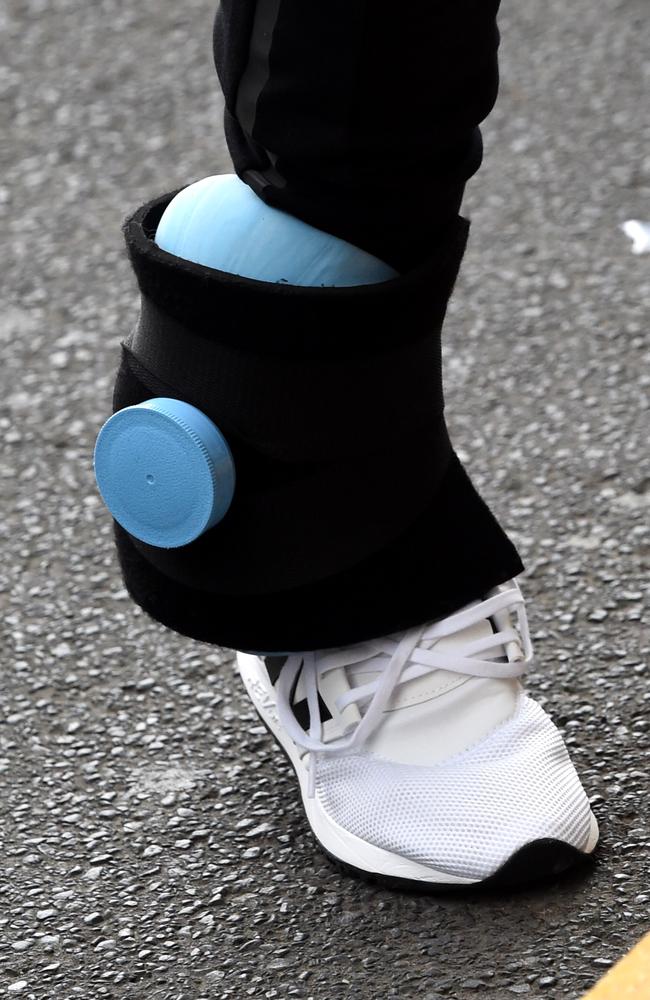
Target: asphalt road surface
[[153, 845]]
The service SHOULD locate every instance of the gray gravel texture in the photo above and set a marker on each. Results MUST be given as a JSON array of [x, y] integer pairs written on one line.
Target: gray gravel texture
[[153, 844]]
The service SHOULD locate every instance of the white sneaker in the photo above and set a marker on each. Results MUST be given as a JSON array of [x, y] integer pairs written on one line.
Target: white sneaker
[[420, 759]]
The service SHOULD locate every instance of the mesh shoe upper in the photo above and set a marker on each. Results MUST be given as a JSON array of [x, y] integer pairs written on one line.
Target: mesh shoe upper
[[465, 815]]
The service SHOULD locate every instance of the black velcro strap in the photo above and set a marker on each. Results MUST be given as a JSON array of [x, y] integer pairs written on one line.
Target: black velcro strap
[[314, 525], [293, 522], [305, 409]]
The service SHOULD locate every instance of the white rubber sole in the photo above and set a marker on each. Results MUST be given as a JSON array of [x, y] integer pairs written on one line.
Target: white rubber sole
[[339, 843]]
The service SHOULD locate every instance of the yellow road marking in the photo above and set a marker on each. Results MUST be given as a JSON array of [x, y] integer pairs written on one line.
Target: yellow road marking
[[629, 979]]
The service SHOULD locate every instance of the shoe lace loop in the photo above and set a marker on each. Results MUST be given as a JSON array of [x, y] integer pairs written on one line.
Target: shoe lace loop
[[399, 658]]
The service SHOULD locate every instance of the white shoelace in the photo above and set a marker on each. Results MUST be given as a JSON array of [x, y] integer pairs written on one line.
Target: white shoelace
[[397, 659]]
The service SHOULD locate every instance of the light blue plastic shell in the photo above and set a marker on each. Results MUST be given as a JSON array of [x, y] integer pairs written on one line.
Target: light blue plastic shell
[[221, 223]]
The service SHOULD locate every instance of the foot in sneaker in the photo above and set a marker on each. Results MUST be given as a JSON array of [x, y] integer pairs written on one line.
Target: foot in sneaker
[[421, 761]]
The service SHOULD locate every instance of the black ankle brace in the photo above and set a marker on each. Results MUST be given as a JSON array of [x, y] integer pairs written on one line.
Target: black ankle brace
[[352, 516]]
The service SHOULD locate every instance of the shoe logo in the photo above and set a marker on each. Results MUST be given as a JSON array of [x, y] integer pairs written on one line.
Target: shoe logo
[[263, 699]]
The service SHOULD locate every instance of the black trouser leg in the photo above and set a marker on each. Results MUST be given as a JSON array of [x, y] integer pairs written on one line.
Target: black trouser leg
[[359, 116]]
